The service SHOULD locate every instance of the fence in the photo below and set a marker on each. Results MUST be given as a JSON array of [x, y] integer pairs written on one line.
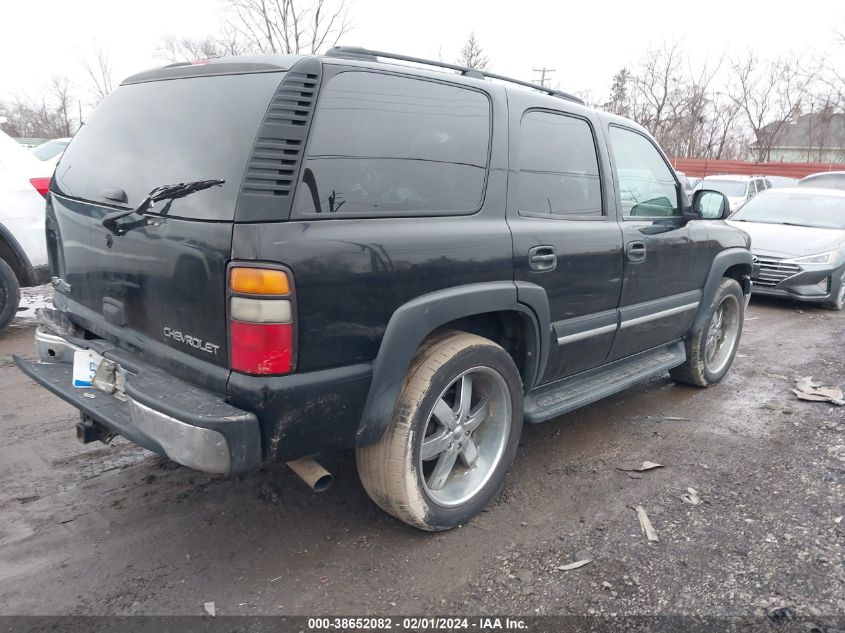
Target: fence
[[700, 167]]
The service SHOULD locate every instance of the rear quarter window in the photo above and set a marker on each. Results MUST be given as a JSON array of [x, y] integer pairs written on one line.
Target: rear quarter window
[[389, 145]]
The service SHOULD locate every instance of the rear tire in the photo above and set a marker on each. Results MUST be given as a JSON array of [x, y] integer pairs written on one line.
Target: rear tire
[[453, 435], [10, 294], [711, 346]]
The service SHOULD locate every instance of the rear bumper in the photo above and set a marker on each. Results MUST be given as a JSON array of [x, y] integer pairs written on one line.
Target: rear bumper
[[190, 425]]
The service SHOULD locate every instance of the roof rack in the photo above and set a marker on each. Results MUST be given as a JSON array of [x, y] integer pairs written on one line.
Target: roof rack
[[356, 52]]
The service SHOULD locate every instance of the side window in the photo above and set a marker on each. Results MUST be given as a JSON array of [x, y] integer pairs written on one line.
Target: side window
[[387, 145], [646, 184], [752, 189], [558, 166]]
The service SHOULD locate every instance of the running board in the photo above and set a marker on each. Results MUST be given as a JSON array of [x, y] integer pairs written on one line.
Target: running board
[[565, 395]]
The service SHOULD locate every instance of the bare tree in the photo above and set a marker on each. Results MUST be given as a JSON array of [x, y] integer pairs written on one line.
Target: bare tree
[[289, 26], [769, 94], [48, 118], [679, 105], [660, 93], [722, 137], [472, 55], [227, 42], [831, 77], [185, 49], [60, 92], [99, 71], [619, 101]]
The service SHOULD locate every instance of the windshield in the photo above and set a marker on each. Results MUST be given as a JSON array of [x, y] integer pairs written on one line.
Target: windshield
[[158, 133], [48, 150], [731, 188], [802, 209]]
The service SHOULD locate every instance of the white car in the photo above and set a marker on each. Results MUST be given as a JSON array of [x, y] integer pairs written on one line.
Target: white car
[[24, 182], [50, 152], [737, 189]]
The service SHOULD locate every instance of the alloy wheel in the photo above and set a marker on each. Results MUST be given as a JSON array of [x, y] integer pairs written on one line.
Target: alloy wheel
[[465, 436], [722, 334]]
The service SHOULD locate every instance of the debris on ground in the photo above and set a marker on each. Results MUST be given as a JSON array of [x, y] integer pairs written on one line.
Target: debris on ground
[[268, 493], [645, 466], [575, 565], [525, 576], [808, 389], [645, 524], [691, 497], [672, 418], [781, 614], [210, 609]]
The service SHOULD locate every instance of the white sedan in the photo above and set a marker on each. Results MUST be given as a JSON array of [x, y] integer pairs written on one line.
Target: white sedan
[[24, 182]]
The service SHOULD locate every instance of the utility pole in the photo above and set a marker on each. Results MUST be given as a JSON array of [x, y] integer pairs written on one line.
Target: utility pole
[[543, 72]]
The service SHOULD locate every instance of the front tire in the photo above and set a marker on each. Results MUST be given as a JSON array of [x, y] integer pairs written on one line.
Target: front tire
[[453, 435], [838, 302], [711, 347], [10, 294]]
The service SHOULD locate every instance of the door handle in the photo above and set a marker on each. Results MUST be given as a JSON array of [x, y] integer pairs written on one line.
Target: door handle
[[635, 251], [542, 258]]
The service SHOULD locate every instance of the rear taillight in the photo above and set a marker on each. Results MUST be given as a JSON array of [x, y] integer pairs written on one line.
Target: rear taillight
[[261, 320], [42, 185]]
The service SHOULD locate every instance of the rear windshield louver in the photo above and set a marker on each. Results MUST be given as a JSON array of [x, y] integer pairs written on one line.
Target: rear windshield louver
[[273, 167]]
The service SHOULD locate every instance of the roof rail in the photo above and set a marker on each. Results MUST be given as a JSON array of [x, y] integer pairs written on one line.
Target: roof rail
[[364, 54]]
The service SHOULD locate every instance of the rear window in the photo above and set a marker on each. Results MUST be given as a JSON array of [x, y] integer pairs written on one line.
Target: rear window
[[165, 132], [388, 145]]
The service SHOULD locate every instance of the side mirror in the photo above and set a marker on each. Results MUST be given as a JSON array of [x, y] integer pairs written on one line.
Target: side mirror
[[710, 205]]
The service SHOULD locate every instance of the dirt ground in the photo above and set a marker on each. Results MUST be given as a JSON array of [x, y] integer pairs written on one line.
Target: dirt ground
[[116, 530]]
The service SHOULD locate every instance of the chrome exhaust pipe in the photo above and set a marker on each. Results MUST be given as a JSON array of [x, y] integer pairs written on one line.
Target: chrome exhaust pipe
[[309, 471]]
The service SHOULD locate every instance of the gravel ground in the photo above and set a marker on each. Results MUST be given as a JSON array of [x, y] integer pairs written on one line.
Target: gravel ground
[[117, 530]]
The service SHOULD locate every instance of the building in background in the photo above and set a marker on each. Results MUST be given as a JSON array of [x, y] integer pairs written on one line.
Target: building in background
[[818, 137]]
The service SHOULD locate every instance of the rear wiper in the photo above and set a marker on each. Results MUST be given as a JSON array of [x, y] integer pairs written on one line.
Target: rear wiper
[[165, 192]]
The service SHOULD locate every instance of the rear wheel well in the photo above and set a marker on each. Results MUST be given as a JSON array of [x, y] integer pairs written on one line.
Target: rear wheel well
[[511, 329], [9, 255]]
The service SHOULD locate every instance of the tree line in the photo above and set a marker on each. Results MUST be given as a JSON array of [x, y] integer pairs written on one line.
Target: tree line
[[734, 107]]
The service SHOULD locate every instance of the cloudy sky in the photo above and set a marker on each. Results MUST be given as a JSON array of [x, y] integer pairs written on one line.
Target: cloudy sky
[[586, 42]]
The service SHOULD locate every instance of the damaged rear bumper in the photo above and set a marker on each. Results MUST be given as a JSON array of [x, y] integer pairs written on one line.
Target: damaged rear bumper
[[151, 408]]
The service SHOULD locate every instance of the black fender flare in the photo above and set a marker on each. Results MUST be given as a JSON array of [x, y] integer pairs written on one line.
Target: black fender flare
[[724, 260], [412, 322]]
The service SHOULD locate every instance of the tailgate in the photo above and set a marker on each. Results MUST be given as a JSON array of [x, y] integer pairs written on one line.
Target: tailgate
[[157, 285]]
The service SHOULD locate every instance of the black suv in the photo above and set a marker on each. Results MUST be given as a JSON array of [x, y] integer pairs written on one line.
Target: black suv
[[270, 257]]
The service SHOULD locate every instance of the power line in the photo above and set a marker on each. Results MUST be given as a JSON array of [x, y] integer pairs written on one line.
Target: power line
[[543, 72]]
